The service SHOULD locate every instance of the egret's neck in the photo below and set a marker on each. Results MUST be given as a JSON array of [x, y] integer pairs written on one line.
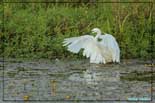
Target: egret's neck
[[98, 35]]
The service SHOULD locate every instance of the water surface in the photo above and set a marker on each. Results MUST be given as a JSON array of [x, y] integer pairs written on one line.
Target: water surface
[[74, 80]]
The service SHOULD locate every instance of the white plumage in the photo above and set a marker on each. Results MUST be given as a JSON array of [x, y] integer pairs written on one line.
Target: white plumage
[[106, 50]]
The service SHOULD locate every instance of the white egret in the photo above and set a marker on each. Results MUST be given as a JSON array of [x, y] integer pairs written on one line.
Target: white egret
[[99, 51]]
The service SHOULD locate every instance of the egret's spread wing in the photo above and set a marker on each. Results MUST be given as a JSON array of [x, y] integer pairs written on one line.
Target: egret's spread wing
[[110, 42], [75, 44], [90, 46]]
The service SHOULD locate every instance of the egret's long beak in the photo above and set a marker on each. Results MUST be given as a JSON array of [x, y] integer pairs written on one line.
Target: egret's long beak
[[88, 33]]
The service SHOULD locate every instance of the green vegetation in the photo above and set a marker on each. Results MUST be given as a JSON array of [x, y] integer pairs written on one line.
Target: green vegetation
[[36, 30]]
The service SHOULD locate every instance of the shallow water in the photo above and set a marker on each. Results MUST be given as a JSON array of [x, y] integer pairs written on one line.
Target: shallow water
[[73, 80]]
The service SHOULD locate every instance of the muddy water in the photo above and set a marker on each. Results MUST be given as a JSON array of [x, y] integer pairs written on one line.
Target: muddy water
[[72, 80]]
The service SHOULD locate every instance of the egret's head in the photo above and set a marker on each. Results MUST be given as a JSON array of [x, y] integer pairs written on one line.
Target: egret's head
[[96, 31]]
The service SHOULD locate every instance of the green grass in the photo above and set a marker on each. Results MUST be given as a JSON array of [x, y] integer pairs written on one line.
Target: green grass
[[36, 30]]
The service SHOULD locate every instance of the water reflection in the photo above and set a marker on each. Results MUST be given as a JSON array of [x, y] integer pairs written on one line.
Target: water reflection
[[95, 77]]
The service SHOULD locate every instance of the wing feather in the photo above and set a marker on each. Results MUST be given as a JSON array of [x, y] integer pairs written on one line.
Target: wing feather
[[110, 42], [90, 46]]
